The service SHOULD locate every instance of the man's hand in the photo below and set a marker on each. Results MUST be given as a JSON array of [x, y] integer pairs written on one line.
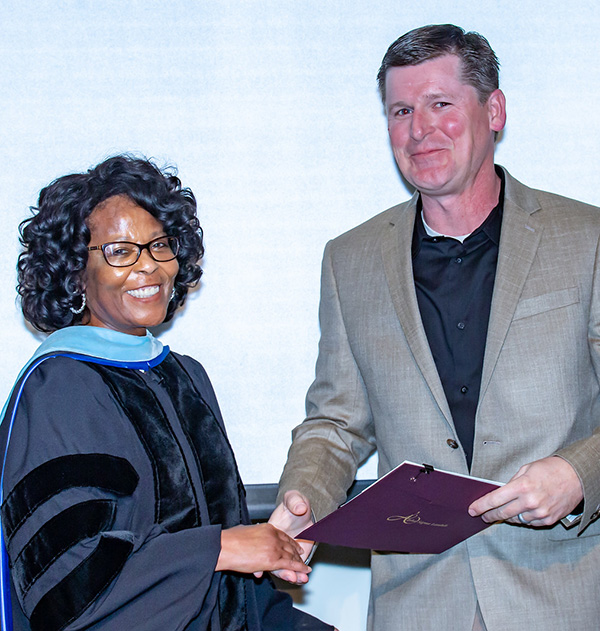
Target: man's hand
[[259, 548], [293, 516], [542, 492]]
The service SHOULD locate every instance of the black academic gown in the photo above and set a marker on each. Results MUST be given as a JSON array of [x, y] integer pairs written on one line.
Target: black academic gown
[[106, 513]]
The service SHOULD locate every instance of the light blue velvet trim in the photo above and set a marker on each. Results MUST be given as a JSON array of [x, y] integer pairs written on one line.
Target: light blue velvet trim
[[102, 343]]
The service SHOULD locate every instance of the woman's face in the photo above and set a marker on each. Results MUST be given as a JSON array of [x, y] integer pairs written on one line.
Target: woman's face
[[126, 299]]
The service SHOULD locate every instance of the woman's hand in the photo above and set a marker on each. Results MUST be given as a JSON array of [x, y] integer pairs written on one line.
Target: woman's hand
[[258, 549]]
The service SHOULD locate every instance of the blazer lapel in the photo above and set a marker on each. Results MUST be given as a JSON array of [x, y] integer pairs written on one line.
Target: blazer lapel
[[397, 263], [519, 240]]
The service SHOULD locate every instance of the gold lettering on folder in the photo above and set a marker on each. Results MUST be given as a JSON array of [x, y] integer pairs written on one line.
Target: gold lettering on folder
[[415, 518]]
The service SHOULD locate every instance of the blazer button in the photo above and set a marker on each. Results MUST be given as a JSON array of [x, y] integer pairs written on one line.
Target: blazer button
[[452, 443]]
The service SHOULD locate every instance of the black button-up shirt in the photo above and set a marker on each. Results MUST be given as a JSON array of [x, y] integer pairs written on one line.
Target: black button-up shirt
[[454, 282]]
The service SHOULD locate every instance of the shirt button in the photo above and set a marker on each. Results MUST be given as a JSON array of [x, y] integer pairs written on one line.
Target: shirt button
[[452, 443], [458, 260], [461, 325], [464, 389]]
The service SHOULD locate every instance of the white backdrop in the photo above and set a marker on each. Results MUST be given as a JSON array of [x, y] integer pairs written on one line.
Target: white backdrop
[[270, 110]]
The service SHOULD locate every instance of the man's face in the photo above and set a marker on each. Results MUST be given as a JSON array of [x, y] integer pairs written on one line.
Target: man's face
[[441, 136]]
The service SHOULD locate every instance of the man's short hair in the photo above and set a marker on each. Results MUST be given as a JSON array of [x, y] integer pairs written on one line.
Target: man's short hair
[[480, 65]]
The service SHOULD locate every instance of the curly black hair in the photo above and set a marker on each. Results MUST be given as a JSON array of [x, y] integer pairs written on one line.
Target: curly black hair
[[55, 238]]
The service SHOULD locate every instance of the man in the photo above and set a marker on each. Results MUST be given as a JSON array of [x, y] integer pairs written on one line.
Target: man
[[462, 329]]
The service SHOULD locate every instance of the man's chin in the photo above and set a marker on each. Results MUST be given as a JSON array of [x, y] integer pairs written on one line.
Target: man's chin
[[432, 184]]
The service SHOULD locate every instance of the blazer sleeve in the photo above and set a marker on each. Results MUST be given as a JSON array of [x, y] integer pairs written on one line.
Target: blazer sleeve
[[584, 455], [337, 434], [78, 516]]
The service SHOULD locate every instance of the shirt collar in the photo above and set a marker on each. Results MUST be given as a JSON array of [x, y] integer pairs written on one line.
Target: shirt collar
[[490, 227]]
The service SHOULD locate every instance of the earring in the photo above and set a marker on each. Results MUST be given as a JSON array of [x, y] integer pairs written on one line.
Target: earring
[[80, 310], [172, 294]]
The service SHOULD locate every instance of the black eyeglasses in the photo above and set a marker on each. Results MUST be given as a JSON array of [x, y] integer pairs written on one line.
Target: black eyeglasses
[[125, 253]]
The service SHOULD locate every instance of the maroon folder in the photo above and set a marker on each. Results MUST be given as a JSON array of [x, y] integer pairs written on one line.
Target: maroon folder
[[414, 508]]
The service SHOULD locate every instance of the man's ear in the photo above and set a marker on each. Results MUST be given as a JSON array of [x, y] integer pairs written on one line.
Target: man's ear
[[496, 105]]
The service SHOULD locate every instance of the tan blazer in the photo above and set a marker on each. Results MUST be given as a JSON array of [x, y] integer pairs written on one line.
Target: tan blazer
[[377, 387]]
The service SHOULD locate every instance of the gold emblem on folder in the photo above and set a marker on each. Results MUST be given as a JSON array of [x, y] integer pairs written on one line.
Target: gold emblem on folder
[[415, 518]]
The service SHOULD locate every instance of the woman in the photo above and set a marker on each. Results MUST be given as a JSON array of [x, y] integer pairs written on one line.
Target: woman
[[121, 499]]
